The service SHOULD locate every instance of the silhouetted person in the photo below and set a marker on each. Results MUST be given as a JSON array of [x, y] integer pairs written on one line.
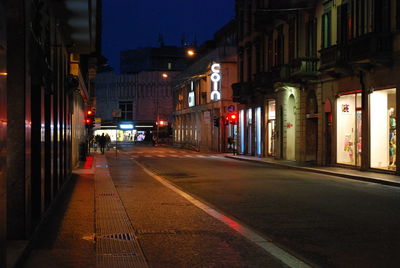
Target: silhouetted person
[[102, 142]]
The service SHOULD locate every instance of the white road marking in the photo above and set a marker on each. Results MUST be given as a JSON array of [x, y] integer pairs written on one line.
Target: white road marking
[[265, 243]]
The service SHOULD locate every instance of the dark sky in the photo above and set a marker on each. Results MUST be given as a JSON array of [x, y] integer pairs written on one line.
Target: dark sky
[[129, 24]]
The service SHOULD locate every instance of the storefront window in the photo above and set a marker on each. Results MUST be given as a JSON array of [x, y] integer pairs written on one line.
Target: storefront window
[[249, 131], [258, 130], [271, 127], [383, 129], [241, 127], [349, 139]]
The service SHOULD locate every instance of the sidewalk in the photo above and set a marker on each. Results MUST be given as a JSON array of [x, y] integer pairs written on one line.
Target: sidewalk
[[366, 176], [119, 214]]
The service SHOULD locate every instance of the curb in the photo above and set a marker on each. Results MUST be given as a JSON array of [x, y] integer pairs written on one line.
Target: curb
[[320, 171]]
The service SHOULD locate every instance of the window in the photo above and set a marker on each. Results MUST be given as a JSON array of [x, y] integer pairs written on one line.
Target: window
[[342, 23], [279, 47], [126, 110], [169, 65], [292, 38], [326, 30], [311, 40]]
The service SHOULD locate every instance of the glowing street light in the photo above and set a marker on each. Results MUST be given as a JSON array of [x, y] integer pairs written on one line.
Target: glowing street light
[[190, 52], [165, 75]]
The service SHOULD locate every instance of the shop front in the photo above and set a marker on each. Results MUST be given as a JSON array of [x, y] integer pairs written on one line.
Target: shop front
[[382, 129], [271, 117]]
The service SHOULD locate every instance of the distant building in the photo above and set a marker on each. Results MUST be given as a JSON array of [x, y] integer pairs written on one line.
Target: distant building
[[165, 58], [142, 92]]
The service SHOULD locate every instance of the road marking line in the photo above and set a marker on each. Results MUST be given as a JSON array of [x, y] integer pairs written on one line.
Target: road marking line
[[243, 230], [160, 155]]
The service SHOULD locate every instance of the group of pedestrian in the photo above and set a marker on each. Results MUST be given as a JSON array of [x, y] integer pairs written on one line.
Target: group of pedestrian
[[103, 141]]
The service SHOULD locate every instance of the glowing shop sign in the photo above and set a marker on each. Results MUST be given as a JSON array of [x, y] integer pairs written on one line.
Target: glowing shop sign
[[191, 99], [126, 126], [215, 79]]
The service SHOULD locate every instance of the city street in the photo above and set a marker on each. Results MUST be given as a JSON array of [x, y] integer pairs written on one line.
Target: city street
[[327, 221]]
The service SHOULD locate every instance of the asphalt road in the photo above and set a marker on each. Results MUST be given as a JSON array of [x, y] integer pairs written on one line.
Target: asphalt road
[[327, 220]]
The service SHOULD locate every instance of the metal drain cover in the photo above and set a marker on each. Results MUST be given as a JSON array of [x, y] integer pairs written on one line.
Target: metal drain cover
[[122, 236]]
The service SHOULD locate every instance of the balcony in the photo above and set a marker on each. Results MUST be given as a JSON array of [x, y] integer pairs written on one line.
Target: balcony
[[371, 49], [367, 51], [304, 69]]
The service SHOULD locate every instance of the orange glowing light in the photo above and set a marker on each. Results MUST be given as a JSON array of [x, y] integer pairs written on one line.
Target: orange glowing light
[[190, 52], [3, 74], [165, 75]]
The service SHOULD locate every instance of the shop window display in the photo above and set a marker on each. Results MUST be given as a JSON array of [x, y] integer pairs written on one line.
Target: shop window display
[[271, 128], [349, 139], [383, 129]]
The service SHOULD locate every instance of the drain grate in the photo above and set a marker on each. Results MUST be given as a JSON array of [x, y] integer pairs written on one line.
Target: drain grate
[[106, 194], [122, 236], [120, 255]]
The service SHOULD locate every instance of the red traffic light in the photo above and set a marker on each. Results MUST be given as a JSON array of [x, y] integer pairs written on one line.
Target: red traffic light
[[232, 118], [89, 112], [88, 121]]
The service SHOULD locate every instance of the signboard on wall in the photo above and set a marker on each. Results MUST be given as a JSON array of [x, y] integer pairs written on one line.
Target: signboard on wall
[[215, 82]]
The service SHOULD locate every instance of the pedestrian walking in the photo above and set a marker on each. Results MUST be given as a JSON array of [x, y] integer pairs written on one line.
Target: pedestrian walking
[[154, 140], [102, 143], [108, 141]]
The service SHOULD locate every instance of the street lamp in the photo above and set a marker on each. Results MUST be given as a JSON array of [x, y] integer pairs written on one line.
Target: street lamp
[[190, 52]]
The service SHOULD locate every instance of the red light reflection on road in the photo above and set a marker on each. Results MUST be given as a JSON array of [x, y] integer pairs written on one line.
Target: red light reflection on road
[[233, 224]]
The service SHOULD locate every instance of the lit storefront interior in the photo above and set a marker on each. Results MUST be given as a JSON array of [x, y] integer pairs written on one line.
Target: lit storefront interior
[[241, 129], [271, 117], [258, 130], [382, 105], [349, 140], [383, 129], [249, 123]]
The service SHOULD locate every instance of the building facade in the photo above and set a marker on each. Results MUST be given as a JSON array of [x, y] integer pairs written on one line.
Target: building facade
[[142, 93], [45, 60], [317, 81], [203, 97], [143, 99]]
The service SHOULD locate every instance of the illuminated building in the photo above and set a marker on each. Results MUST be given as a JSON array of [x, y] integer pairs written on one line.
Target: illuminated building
[[203, 93], [318, 82]]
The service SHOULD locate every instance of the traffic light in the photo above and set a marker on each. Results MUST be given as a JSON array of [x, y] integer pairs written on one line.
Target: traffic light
[[216, 121], [232, 118], [89, 120]]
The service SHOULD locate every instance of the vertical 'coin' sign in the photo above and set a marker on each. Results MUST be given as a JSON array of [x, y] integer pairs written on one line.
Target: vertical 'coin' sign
[[215, 78]]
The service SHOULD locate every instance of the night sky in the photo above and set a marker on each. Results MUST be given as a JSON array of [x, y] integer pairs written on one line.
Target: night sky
[[129, 24]]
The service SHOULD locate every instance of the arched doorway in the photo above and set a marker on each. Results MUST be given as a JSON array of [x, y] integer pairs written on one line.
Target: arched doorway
[[291, 129], [311, 127]]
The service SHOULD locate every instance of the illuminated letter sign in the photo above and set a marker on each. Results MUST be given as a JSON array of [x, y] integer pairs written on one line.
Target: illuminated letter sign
[[191, 99], [215, 79]]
